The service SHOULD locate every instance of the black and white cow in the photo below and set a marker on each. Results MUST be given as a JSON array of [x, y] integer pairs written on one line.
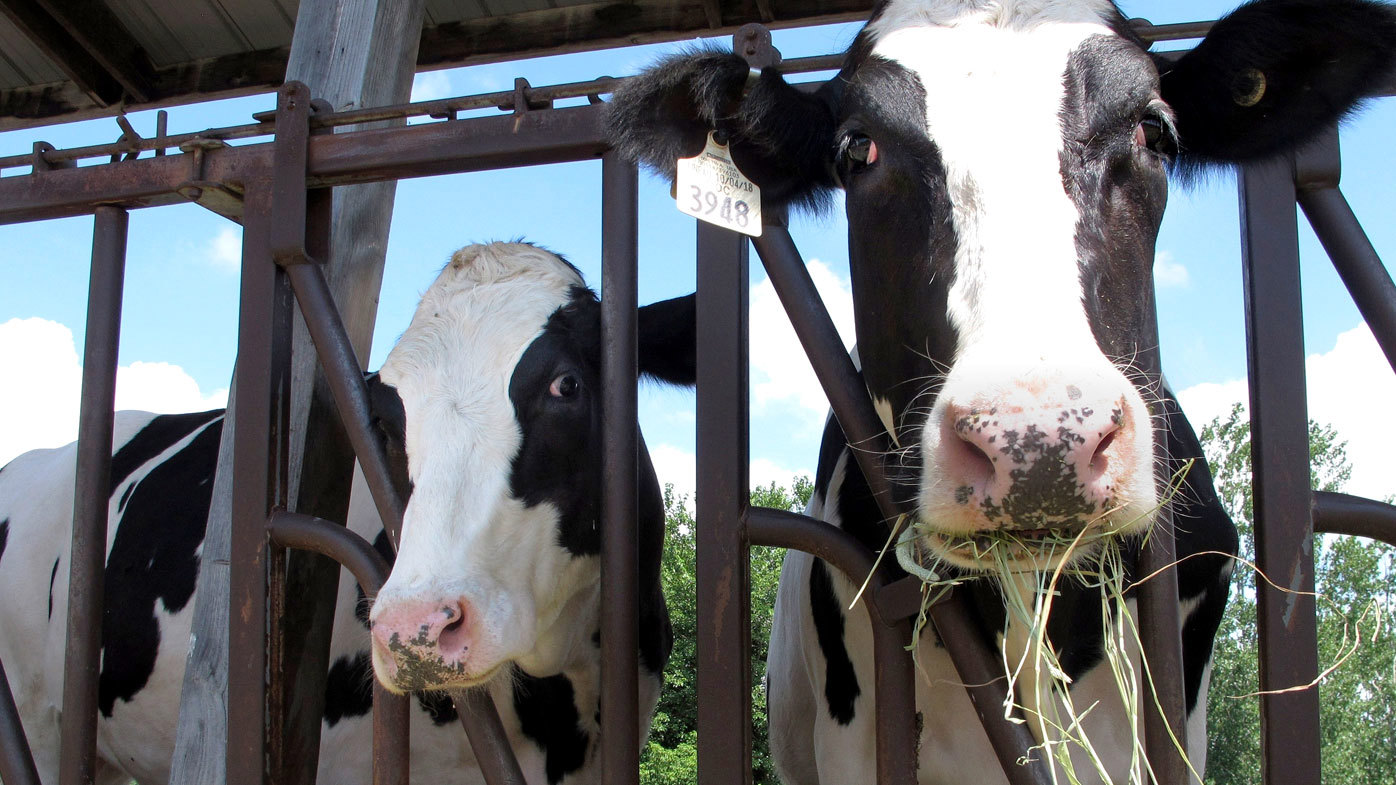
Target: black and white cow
[[1004, 169], [489, 406]]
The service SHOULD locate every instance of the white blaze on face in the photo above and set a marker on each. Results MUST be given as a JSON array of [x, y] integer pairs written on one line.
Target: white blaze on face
[[464, 536], [993, 74]]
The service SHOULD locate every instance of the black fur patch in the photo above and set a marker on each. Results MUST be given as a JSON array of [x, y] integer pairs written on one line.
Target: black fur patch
[[840, 682], [157, 436], [4, 536], [384, 546], [548, 715], [53, 574], [438, 706], [779, 135], [349, 688], [153, 557], [1272, 75]]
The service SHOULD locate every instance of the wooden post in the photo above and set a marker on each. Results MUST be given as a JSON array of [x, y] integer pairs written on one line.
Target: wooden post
[[351, 53]]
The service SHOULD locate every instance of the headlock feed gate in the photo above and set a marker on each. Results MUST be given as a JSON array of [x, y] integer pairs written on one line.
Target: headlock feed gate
[[280, 190]]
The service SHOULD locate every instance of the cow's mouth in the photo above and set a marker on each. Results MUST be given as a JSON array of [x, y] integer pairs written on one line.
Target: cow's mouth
[[1019, 549]]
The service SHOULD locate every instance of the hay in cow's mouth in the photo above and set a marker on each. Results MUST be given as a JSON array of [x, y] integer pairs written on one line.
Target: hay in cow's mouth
[[1029, 566]]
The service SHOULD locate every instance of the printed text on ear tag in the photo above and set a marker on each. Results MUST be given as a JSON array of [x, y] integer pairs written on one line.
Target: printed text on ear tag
[[709, 187]]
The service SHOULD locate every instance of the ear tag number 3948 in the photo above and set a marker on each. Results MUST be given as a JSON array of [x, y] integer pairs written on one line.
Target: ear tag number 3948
[[709, 187]]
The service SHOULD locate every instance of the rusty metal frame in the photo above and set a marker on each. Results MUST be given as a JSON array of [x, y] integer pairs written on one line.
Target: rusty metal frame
[[278, 190], [1287, 512]]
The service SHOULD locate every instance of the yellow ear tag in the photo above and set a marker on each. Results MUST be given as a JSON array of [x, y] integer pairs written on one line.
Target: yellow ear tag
[[711, 188]]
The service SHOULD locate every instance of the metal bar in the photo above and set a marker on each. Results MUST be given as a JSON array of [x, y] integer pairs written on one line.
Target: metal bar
[[723, 564], [16, 759], [894, 680], [984, 682], [82, 663], [1279, 451], [258, 470], [1160, 629], [391, 713], [1340, 513], [538, 137], [620, 540], [848, 397], [487, 739], [842, 383], [346, 383], [1356, 261]]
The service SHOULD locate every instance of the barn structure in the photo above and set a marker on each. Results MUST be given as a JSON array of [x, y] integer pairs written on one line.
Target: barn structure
[[310, 187]]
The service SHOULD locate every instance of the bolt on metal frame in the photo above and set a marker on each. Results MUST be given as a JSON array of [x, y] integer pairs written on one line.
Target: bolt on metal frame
[[280, 192]]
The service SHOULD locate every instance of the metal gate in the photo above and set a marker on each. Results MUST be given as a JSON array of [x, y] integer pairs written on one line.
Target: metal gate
[[280, 191]]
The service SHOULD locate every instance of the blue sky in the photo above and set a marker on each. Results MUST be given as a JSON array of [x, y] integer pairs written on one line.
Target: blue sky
[[179, 324]]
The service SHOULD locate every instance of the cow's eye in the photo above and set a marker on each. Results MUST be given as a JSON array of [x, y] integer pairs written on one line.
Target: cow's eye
[[859, 150], [1152, 133], [564, 386]]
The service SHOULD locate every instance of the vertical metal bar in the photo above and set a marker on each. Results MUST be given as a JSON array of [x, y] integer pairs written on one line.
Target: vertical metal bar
[[392, 749], [258, 471], [1163, 702], [620, 540], [1280, 459], [16, 759], [894, 687], [82, 664], [724, 569]]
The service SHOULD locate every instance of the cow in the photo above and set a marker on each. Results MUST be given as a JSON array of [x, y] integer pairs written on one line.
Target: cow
[[1004, 166], [489, 410]]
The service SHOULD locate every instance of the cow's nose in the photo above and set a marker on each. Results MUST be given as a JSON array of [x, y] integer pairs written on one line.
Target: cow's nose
[[412, 632], [1030, 464]]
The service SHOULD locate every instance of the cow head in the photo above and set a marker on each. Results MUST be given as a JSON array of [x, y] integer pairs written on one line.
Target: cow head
[[490, 409], [1005, 172]]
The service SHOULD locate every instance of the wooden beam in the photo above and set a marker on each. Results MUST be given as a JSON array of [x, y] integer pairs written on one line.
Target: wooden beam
[[352, 53], [106, 40], [549, 31], [66, 52]]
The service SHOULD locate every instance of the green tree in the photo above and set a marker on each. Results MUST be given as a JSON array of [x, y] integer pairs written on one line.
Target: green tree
[[1358, 701], [670, 757]]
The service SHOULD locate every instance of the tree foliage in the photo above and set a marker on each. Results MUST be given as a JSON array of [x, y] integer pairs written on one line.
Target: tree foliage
[[1355, 579], [671, 756]]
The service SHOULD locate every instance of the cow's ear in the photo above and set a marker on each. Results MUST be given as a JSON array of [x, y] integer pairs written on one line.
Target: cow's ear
[[1274, 73], [781, 137], [668, 341]]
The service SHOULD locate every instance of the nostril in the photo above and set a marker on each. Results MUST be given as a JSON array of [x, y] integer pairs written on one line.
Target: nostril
[[1099, 460], [453, 640], [979, 459]]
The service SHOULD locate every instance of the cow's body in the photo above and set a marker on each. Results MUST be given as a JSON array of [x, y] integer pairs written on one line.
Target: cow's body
[[1004, 166], [162, 478], [154, 558]]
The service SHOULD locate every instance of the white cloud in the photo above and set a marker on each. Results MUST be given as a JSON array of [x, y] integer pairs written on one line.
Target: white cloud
[[39, 407], [781, 374], [1169, 273], [164, 388], [1351, 387], [675, 466], [225, 249], [39, 401], [431, 85]]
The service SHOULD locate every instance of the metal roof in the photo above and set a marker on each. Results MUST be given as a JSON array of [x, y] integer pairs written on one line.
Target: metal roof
[[71, 59]]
